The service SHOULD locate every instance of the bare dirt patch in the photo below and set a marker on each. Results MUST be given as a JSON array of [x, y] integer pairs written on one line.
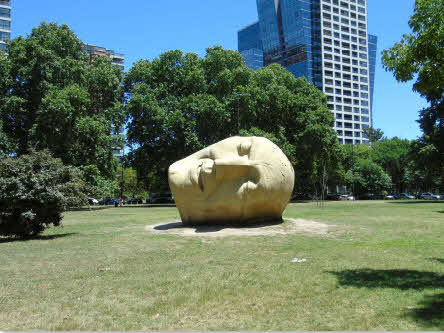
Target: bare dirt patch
[[289, 226]]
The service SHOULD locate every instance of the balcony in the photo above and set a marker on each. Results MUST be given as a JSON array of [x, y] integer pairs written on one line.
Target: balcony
[[119, 55], [5, 3]]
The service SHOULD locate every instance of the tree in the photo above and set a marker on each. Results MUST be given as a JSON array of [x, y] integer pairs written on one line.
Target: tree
[[132, 187], [419, 175], [393, 156], [6, 146], [34, 191], [419, 56], [96, 185], [373, 134], [180, 103], [51, 99], [352, 153], [367, 177]]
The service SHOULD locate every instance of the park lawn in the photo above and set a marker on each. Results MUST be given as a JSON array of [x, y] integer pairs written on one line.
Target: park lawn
[[380, 267]]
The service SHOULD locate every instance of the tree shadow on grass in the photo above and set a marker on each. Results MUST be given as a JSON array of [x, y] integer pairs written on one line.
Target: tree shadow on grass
[[216, 227], [442, 212], [440, 260], [391, 278], [39, 237], [431, 311]]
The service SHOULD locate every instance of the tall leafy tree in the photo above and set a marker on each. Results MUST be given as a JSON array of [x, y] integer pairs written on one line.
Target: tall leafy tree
[[51, 99], [393, 156], [419, 56], [179, 103]]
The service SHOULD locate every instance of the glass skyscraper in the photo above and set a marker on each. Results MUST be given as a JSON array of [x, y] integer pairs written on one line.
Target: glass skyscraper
[[372, 48], [326, 41], [5, 23], [250, 46]]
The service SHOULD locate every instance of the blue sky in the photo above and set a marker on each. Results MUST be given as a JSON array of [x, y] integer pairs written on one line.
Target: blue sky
[[142, 29]]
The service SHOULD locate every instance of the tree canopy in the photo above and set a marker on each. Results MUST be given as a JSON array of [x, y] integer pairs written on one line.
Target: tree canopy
[[180, 103], [367, 177], [52, 99], [419, 56]]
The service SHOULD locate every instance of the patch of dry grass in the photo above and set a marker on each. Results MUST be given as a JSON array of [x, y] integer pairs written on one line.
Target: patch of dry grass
[[383, 270]]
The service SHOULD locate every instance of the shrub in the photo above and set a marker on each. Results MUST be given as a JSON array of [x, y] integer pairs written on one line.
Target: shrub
[[368, 177], [35, 189]]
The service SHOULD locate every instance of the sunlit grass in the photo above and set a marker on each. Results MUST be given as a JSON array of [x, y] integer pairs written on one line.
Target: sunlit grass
[[381, 267]]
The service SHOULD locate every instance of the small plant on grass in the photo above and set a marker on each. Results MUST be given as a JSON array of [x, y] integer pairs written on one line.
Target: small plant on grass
[[35, 189]]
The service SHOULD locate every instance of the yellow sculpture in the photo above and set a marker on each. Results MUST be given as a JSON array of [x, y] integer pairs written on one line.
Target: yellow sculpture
[[237, 180]]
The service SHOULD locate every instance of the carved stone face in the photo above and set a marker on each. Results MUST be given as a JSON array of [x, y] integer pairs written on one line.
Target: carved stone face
[[235, 180]]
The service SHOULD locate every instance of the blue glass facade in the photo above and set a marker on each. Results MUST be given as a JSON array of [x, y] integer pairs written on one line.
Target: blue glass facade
[[301, 30], [250, 46], [254, 58], [269, 30], [288, 33], [372, 48]]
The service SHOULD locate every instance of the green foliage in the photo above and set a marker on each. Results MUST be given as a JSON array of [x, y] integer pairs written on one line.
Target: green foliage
[[393, 156], [34, 191], [97, 186], [352, 153], [419, 56], [51, 99], [6, 146], [367, 177], [132, 187], [373, 134], [181, 103], [405, 162], [420, 175]]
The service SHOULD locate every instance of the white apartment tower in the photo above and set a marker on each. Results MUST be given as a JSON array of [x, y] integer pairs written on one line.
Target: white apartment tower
[[5, 23], [326, 41], [346, 67]]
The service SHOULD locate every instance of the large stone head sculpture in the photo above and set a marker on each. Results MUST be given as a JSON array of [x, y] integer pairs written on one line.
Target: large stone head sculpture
[[237, 180]]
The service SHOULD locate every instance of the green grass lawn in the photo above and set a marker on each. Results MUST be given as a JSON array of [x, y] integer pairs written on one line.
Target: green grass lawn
[[380, 267]]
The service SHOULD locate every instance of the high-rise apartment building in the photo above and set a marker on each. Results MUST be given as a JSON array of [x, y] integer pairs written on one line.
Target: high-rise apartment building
[[326, 41], [118, 60], [5, 23]]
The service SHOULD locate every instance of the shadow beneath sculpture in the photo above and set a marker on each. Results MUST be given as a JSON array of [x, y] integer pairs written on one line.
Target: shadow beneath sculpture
[[211, 228]]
